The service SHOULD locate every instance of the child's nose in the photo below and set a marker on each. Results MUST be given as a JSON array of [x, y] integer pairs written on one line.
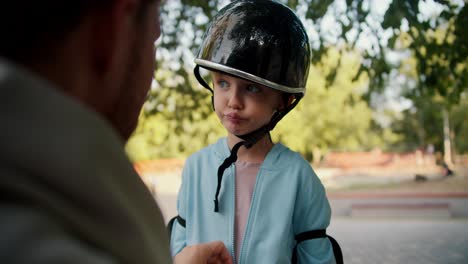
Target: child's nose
[[235, 99]]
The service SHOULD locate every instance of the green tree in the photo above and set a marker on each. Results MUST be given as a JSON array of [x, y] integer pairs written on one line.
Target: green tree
[[440, 70], [460, 126], [334, 117]]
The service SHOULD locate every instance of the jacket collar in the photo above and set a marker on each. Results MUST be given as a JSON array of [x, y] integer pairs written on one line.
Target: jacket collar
[[222, 151]]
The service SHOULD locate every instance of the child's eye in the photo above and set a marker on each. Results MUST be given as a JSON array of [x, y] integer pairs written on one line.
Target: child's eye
[[253, 89], [223, 84]]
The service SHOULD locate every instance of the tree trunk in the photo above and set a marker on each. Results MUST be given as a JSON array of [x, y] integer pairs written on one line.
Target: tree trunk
[[447, 143], [317, 156]]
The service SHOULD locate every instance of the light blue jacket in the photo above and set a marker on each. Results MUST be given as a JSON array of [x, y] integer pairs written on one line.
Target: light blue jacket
[[288, 199]]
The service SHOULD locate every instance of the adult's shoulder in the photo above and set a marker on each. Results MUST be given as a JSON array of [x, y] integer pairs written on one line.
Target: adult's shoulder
[[30, 235]]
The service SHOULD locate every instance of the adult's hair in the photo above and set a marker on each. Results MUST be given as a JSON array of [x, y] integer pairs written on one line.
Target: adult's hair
[[32, 29]]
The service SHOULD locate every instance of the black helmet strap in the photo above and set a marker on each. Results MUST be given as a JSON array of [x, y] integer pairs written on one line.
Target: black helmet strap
[[226, 163], [256, 135], [200, 79]]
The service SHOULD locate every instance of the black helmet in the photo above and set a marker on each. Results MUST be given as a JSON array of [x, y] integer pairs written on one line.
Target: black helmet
[[262, 41], [259, 40]]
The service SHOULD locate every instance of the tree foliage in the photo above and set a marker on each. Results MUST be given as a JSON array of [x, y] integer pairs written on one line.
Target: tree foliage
[[421, 125], [334, 117], [438, 43]]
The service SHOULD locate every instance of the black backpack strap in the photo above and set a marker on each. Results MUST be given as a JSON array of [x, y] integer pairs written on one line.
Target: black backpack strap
[[313, 234], [310, 235], [179, 219], [336, 250]]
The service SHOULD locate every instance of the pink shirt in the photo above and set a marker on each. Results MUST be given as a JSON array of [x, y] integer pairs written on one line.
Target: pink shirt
[[246, 174]]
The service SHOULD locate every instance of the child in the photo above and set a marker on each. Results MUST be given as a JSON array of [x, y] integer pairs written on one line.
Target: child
[[264, 194]]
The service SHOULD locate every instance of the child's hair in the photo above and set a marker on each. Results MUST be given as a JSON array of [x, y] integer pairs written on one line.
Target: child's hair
[[262, 41]]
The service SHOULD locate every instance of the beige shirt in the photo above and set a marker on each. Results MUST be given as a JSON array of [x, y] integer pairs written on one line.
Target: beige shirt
[[246, 173]]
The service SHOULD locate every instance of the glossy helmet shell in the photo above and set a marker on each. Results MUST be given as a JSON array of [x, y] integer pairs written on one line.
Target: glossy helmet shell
[[259, 40]]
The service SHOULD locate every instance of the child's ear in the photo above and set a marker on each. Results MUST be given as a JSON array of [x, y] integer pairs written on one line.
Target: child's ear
[[291, 99], [287, 101]]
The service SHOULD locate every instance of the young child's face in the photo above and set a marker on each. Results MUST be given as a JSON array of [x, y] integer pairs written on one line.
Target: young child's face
[[243, 106]]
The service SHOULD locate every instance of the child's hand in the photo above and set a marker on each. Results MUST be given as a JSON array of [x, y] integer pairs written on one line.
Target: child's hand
[[205, 253]]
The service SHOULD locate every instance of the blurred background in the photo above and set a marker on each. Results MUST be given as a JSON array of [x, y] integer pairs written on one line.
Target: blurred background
[[385, 75], [383, 121]]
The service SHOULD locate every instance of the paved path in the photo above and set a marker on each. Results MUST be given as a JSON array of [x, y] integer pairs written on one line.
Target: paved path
[[414, 204], [413, 241], [389, 240]]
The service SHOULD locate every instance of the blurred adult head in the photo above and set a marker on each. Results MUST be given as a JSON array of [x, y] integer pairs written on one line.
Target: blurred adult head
[[100, 52]]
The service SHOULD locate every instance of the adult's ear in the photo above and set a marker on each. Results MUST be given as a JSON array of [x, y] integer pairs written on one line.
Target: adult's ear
[[112, 33]]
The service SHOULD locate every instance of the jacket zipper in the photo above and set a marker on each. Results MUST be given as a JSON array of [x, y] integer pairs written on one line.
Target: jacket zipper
[[249, 217], [233, 251]]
